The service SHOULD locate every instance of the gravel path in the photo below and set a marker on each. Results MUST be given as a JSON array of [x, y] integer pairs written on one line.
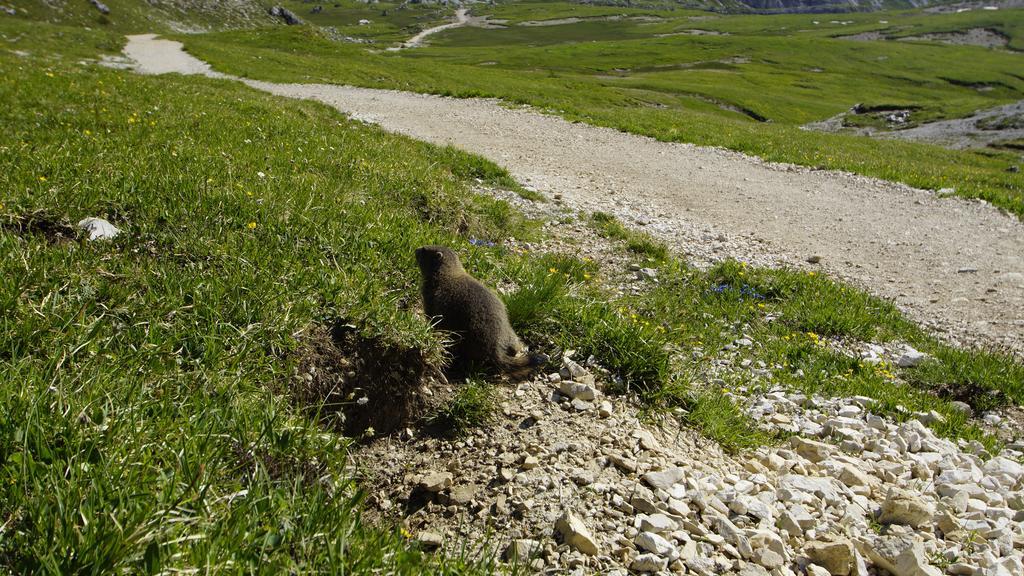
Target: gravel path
[[954, 265], [461, 19]]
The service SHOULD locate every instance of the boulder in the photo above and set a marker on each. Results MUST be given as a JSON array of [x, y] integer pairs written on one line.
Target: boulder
[[285, 14]]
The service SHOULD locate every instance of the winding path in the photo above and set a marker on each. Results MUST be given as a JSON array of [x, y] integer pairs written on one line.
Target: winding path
[[955, 265], [461, 19]]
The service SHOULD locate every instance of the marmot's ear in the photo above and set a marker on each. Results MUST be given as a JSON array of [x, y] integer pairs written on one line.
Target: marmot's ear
[[440, 255]]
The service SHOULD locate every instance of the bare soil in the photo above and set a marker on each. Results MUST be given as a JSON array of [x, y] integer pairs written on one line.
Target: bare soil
[[954, 265]]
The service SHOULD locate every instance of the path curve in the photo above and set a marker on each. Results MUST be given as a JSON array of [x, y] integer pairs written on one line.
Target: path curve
[[461, 19], [952, 264]]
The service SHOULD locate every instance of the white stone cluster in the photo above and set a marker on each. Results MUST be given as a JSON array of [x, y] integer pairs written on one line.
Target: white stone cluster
[[573, 482]]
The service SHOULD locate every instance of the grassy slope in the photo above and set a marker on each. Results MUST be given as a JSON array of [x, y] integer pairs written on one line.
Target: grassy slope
[[139, 16], [389, 21], [143, 428], [146, 426], [782, 68]]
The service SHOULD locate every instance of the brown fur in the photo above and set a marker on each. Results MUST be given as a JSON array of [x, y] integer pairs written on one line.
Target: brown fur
[[462, 305]]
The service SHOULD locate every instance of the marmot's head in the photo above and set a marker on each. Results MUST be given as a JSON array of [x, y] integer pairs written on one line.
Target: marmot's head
[[433, 259]]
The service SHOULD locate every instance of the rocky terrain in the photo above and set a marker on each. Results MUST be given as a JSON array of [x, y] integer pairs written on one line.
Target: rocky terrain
[[568, 480]]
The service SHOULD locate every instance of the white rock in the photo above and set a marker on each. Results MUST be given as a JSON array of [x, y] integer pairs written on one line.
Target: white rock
[[1007, 471], [819, 486], [753, 507], [657, 523], [654, 543], [810, 449], [1011, 566], [836, 556], [434, 481], [648, 563], [903, 507], [902, 556], [577, 390], [763, 541], [575, 533], [813, 570], [911, 358], [664, 479], [854, 476], [522, 549], [98, 228]]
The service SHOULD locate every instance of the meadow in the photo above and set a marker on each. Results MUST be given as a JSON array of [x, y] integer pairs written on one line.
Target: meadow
[[151, 422], [742, 82]]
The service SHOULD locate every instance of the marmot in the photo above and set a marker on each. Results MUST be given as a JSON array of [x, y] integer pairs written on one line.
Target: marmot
[[473, 313]]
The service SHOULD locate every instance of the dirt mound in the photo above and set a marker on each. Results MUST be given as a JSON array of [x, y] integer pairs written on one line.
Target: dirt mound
[[39, 223], [362, 385]]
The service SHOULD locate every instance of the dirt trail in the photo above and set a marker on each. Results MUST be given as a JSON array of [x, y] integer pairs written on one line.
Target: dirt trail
[[954, 265], [461, 19]]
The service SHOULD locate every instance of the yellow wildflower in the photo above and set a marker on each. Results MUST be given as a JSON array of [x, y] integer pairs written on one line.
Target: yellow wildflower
[[251, 225]]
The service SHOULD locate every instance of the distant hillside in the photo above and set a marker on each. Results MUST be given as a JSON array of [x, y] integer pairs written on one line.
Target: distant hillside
[[781, 6], [145, 15], [795, 6]]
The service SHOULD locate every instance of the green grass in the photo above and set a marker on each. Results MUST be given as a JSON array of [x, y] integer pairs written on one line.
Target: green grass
[[138, 16], [148, 426], [609, 227], [390, 22], [472, 406], [709, 90], [793, 318], [144, 427]]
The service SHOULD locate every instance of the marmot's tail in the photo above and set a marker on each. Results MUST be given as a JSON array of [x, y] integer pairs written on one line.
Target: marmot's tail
[[522, 365]]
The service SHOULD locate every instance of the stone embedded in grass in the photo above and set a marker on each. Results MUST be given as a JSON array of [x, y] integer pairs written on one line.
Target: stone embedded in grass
[[911, 358], [573, 371], [103, 8], [98, 228]]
